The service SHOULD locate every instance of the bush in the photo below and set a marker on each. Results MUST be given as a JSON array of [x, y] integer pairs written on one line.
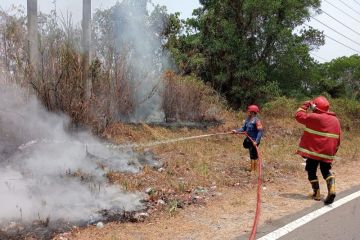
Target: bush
[[348, 112], [187, 98], [282, 107]]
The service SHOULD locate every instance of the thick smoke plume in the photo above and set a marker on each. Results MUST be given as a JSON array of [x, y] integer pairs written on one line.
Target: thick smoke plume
[[137, 37], [48, 173]]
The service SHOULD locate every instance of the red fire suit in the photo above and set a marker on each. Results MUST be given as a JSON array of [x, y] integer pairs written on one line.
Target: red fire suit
[[321, 137]]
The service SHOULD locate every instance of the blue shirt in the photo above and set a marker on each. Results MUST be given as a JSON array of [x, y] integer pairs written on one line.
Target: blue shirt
[[253, 128]]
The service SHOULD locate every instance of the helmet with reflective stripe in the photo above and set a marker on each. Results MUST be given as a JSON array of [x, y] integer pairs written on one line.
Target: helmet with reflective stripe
[[321, 104], [253, 108]]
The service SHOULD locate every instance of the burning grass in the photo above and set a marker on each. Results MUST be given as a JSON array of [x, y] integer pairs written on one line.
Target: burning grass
[[96, 205], [44, 229], [52, 179]]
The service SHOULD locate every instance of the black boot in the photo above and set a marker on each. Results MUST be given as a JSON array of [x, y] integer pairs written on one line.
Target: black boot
[[330, 182], [316, 190]]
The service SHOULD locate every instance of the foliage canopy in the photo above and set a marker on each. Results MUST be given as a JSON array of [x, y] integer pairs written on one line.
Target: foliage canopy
[[249, 50]]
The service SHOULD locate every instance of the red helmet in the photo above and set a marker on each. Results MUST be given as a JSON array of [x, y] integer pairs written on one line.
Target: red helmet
[[321, 103], [253, 108]]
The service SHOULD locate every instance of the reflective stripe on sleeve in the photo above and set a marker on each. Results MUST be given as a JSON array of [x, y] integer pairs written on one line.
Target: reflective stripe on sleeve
[[324, 134], [316, 154]]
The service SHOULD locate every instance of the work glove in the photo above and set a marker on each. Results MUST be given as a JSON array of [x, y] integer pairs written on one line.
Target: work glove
[[306, 105]]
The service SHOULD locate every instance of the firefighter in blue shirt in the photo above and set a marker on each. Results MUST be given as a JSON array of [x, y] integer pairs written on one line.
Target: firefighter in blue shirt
[[254, 130]]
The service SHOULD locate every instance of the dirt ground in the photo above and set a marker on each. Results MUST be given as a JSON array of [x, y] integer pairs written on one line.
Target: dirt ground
[[228, 212]]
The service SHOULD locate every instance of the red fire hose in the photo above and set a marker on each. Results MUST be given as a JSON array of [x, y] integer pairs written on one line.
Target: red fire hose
[[259, 182]]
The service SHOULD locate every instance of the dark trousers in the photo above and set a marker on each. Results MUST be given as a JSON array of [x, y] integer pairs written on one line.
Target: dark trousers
[[252, 149], [311, 168]]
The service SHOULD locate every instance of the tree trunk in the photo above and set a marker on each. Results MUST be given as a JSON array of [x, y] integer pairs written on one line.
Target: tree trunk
[[33, 43], [86, 39]]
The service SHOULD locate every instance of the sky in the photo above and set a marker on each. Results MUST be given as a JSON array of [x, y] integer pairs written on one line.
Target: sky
[[341, 25], [340, 20]]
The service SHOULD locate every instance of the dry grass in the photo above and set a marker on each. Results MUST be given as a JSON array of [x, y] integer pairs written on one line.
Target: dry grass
[[220, 160], [214, 169]]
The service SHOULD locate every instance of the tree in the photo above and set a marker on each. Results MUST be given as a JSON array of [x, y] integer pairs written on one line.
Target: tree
[[33, 42], [295, 72], [127, 41], [243, 47], [341, 77], [86, 36]]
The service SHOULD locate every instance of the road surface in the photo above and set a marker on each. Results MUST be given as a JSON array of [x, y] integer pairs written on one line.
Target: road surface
[[339, 221]]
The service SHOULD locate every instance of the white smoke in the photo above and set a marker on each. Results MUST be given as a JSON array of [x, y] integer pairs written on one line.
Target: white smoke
[[46, 172], [141, 42]]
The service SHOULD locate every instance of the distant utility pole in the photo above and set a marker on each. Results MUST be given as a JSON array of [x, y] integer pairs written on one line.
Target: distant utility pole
[[86, 40], [33, 42]]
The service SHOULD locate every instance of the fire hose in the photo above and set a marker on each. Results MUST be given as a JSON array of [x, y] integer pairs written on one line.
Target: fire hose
[[151, 144], [258, 198]]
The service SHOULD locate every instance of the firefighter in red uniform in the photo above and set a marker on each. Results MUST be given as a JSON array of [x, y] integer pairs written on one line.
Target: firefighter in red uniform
[[319, 143]]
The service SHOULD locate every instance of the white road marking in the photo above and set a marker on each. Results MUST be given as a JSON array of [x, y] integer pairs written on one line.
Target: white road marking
[[309, 217]]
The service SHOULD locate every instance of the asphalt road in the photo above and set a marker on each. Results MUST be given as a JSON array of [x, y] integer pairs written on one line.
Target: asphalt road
[[340, 223]]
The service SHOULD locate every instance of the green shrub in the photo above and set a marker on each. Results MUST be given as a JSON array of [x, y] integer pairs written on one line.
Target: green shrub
[[282, 107], [347, 110]]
